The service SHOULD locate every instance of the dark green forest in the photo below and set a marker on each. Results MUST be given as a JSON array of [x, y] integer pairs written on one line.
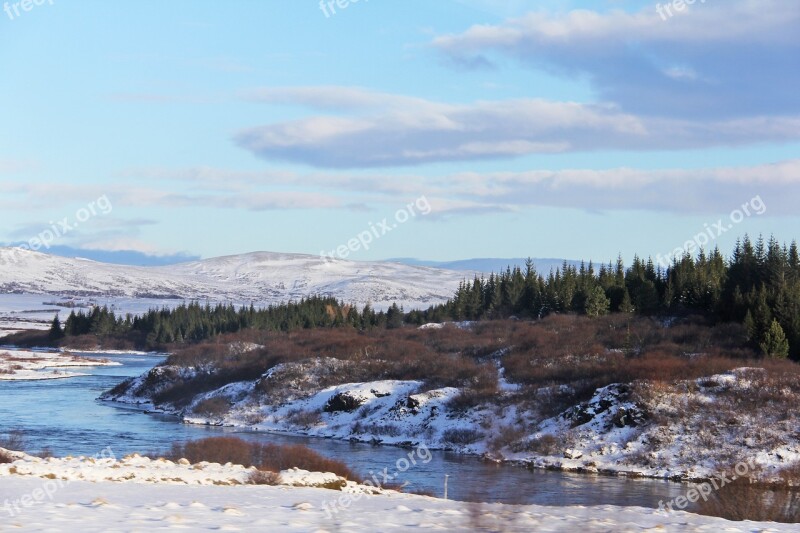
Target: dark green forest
[[758, 285]]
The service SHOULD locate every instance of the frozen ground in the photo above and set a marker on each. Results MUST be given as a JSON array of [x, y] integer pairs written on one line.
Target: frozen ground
[[52, 495], [18, 365]]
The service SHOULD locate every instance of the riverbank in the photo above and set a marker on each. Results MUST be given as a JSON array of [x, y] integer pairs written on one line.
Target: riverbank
[[689, 430], [48, 494], [26, 365]]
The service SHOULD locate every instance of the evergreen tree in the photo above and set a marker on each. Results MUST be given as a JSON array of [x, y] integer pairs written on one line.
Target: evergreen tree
[[597, 304], [775, 343], [55, 332]]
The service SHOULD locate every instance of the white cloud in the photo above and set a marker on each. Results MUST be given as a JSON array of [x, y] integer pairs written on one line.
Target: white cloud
[[719, 59], [408, 132]]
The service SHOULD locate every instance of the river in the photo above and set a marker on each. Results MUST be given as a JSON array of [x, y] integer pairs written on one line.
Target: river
[[65, 417]]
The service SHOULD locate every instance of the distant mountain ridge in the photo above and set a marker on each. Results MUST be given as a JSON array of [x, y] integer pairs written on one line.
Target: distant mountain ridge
[[260, 277], [488, 265]]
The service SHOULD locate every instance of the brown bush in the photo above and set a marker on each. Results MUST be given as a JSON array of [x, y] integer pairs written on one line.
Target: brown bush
[[213, 407], [215, 450], [13, 441], [267, 457], [545, 445], [5, 458], [304, 418], [507, 437], [461, 436], [260, 477], [790, 475], [739, 500]]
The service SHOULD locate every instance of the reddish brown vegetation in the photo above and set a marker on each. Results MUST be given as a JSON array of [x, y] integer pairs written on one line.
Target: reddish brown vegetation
[[266, 457], [741, 500], [576, 351]]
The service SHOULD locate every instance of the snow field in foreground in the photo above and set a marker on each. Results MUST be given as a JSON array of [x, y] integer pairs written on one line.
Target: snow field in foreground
[[54, 495]]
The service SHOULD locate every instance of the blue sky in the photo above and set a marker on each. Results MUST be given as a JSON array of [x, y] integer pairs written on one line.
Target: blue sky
[[546, 129]]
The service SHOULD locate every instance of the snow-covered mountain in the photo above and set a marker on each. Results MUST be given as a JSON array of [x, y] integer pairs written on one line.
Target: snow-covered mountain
[[262, 277]]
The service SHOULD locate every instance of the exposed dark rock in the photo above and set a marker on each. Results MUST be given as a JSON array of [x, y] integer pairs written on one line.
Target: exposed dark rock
[[613, 395], [412, 403], [343, 401]]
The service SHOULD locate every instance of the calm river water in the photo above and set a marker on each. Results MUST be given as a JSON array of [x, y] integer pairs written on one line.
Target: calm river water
[[65, 416]]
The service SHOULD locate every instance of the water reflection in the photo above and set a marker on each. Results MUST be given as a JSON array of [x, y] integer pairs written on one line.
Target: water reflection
[[64, 416]]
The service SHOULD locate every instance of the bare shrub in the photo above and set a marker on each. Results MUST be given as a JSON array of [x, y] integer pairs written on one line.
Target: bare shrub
[[215, 407], [545, 445], [45, 453], [215, 450], [267, 457], [739, 500], [507, 437], [461, 436], [14, 441], [389, 430], [789, 476], [304, 418], [275, 457], [262, 477]]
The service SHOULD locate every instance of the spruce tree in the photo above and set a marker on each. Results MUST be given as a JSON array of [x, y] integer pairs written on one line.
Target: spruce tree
[[597, 303], [775, 343], [55, 332]]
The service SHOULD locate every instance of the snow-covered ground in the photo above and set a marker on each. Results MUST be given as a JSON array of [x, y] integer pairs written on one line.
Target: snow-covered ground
[[261, 277], [18, 365], [136, 494]]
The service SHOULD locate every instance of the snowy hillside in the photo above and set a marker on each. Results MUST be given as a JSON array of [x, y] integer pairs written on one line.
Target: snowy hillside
[[261, 277], [642, 429]]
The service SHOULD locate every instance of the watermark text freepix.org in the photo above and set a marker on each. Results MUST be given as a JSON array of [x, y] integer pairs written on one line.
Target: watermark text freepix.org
[[58, 229], [16, 9], [379, 479], [47, 490], [328, 7], [755, 206], [363, 240], [704, 490], [665, 11]]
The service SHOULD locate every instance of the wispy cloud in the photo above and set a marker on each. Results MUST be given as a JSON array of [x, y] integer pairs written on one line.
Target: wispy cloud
[[696, 191], [398, 130], [15, 166]]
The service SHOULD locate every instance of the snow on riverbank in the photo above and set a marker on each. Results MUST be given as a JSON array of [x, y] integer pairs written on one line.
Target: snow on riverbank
[[17, 365], [688, 430], [119, 352], [137, 469], [99, 494]]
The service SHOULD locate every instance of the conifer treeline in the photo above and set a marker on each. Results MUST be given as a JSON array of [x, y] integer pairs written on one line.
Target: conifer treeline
[[759, 285], [194, 322]]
